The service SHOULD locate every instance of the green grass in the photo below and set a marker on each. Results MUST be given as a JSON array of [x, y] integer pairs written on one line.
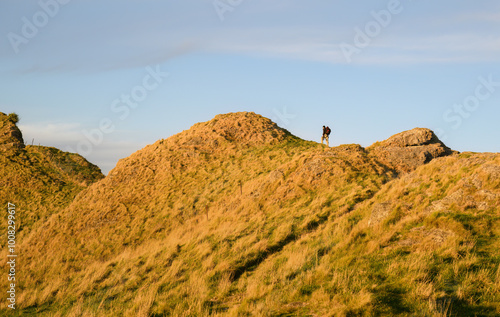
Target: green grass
[[13, 117]]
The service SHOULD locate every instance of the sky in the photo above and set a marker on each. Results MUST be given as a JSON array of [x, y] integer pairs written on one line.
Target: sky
[[106, 78]]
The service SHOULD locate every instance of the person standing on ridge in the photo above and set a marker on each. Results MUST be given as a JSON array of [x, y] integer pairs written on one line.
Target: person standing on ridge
[[326, 134]]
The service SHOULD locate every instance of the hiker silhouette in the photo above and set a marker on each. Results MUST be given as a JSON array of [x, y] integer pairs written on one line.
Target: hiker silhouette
[[326, 135]]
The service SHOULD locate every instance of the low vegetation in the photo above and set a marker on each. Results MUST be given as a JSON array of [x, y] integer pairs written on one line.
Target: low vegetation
[[40, 180], [237, 217]]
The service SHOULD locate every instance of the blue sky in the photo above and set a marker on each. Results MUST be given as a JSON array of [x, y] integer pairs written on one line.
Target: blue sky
[[106, 78]]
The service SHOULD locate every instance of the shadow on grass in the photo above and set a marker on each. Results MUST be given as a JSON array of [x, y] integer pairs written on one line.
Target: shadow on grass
[[389, 300], [253, 261], [462, 308]]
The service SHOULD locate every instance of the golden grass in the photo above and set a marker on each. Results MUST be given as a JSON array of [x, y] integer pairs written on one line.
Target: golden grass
[[171, 232]]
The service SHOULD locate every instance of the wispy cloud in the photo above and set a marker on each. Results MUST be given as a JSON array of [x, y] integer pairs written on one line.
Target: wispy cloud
[[324, 46], [133, 59], [65, 136], [110, 153], [479, 17], [147, 36], [52, 134]]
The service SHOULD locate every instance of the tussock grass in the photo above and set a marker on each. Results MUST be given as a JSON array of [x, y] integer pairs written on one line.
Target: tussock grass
[[266, 224]]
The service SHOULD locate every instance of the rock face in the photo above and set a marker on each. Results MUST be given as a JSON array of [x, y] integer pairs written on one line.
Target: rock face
[[10, 135], [406, 151]]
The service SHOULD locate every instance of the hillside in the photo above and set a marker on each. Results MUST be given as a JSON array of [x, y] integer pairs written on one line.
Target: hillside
[[238, 217], [39, 180]]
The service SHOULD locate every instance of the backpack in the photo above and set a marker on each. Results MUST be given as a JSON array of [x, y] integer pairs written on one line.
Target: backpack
[[327, 131]]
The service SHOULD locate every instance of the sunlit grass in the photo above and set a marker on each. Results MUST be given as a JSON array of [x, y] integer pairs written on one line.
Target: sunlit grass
[[273, 229]]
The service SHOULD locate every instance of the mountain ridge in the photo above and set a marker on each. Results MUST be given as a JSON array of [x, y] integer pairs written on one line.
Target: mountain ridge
[[263, 222]]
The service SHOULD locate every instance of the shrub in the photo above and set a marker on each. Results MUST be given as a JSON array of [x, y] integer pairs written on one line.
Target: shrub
[[13, 117]]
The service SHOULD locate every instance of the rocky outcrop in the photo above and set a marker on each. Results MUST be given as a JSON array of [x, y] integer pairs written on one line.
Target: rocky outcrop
[[406, 151], [11, 137]]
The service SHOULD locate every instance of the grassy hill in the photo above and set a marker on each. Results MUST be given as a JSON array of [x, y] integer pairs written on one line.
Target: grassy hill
[[39, 180], [238, 217]]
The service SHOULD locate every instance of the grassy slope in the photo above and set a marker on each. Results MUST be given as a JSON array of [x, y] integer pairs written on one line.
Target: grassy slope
[[186, 227], [40, 181]]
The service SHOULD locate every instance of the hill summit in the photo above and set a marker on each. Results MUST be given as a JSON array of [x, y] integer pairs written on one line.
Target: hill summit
[[232, 130], [238, 217], [244, 127]]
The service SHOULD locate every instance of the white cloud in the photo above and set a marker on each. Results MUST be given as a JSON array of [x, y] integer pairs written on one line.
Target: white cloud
[[51, 134], [446, 48], [66, 137], [387, 48], [168, 31], [107, 154], [479, 17]]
